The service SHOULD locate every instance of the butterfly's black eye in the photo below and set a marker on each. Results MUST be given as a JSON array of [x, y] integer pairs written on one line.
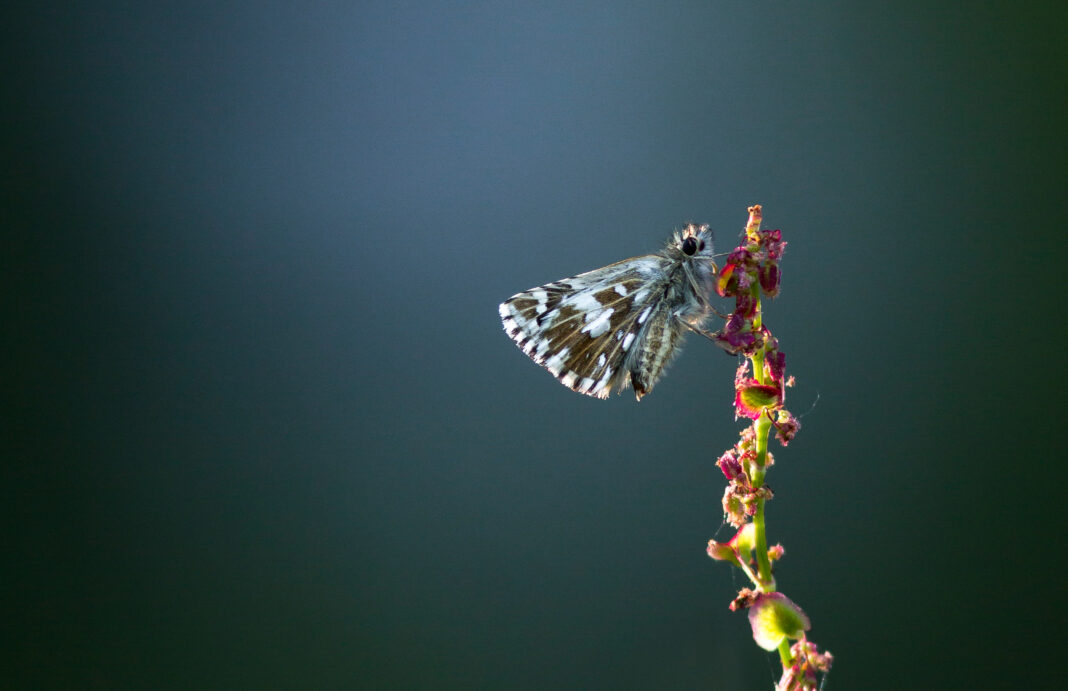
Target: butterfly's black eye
[[689, 247]]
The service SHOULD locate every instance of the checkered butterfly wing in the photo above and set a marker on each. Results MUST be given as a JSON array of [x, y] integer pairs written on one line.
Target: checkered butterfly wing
[[599, 331]]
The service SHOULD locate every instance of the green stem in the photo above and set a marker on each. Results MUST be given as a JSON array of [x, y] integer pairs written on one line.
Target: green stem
[[784, 654], [748, 570], [762, 427]]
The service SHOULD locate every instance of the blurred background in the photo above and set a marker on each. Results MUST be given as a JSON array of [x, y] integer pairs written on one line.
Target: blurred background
[[264, 428]]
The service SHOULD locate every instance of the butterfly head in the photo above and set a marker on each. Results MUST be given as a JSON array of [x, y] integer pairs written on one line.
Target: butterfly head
[[692, 242], [693, 246]]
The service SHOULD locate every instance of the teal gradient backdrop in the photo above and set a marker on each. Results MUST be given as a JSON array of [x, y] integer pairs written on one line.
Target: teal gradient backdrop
[[265, 430]]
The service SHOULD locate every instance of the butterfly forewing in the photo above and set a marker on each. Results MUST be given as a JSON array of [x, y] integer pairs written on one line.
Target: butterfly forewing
[[583, 328]]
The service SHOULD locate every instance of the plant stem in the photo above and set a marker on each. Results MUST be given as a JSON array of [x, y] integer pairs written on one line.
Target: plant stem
[[749, 572], [762, 426], [784, 654]]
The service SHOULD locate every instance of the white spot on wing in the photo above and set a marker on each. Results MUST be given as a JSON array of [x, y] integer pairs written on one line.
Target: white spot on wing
[[621, 289], [603, 382], [520, 321], [645, 314], [600, 325], [554, 363], [601, 360], [585, 302], [627, 341]]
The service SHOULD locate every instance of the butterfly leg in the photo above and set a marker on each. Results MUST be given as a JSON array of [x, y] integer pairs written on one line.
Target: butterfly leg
[[704, 298], [710, 335], [697, 330], [716, 311]]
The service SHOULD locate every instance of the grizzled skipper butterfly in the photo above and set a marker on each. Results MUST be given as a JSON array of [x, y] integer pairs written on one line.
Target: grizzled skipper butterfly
[[620, 325]]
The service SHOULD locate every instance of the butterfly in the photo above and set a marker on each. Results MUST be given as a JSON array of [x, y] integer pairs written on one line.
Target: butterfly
[[620, 325]]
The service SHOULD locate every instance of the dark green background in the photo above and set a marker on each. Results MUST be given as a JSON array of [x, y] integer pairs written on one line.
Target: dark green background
[[265, 430]]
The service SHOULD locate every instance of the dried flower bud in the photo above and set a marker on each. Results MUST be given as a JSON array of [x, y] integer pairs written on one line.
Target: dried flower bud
[[734, 278], [775, 363], [747, 437], [744, 599], [737, 335], [741, 256], [735, 509], [730, 465], [808, 664], [745, 305], [786, 426], [771, 242], [769, 277]]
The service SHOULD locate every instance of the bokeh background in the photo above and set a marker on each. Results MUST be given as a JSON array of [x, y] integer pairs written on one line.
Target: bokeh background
[[264, 428]]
